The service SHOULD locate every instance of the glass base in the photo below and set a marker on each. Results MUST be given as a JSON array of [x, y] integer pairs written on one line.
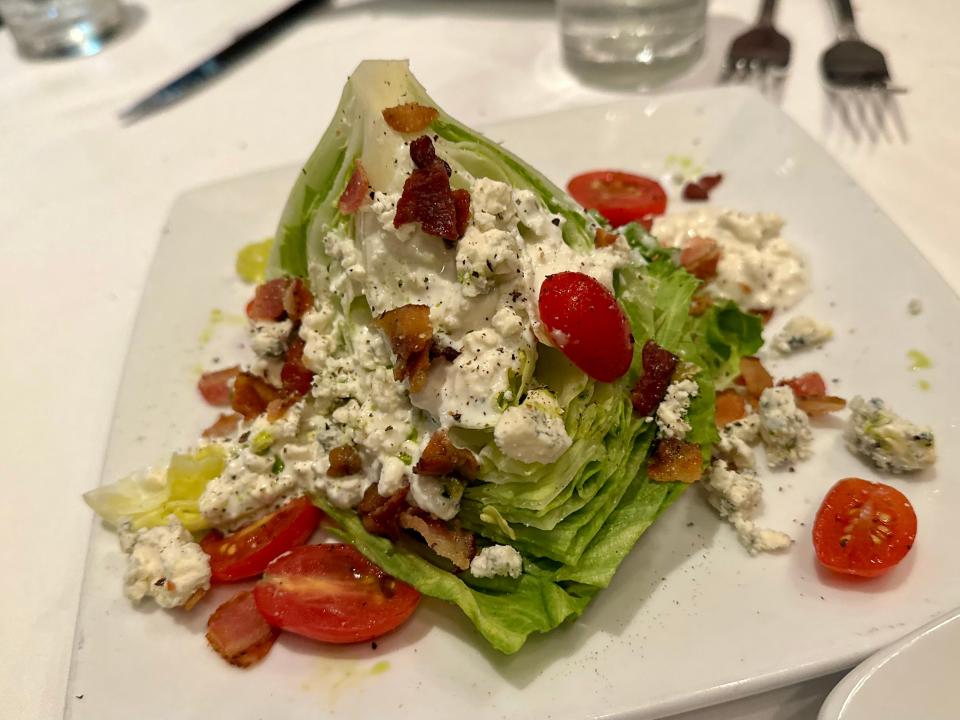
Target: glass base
[[632, 74], [62, 39]]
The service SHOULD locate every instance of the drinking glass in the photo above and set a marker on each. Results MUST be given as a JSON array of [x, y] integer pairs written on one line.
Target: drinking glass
[[52, 28], [642, 42]]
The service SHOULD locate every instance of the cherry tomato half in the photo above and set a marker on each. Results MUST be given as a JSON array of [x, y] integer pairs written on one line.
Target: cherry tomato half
[[245, 553], [587, 324], [334, 594], [863, 528], [620, 197]]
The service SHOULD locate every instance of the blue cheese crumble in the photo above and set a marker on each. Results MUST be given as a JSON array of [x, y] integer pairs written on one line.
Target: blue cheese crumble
[[672, 412], [497, 560], [801, 333], [163, 563], [736, 495], [533, 432], [890, 442], [784, 428]]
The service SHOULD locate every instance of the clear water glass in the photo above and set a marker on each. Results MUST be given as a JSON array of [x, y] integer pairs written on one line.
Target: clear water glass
[[55, 28], [641, 42]]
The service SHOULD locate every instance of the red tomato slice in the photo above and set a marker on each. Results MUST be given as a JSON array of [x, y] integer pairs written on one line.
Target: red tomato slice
[[587, 323], [620, 197], [334, 594], [809, 384], [863, 528], [245, 553]]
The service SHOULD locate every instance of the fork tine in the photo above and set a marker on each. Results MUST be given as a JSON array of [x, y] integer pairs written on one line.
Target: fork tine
[[878, 102], [859, 101], [839, 104]]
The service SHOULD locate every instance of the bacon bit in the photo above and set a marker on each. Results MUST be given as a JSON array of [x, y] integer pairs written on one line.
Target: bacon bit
[[192, 601], [700, 256], [700, 303], [446, 352], [381, 515], [252, 394], [461, 203], [238, 632], [442, 457], [297, 299], [755, 376], [674, 460], [344, 460], [427, 197], [276, 409], [658, 367], [410, 334], [603, 238], [297, 379], [453, 543], [700, 189], [215, 385], [730, 406], [809, 384], [357, 192], [822, 405], [225, 426], [765, 314], [267, 303], [410, 117]]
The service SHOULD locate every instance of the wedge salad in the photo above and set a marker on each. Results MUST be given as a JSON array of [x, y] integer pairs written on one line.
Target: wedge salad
[[482, 391]]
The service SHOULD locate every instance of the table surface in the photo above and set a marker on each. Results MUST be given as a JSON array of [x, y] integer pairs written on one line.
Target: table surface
[[83, 200]]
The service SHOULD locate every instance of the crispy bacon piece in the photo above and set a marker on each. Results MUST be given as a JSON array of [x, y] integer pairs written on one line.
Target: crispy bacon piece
[[674, 460], [277, 408], [381, 515], [604, 238], [658, 367], [755, 376], [451, 542], [297, 379], [252, 394], [765, 314], [238, 632], [730, 407], [297, 299], [357, 192], [700, 189], [410, 117], [225, 426], [810, 391], [427, 197], [410, 334], [700, 303], [442, 457], [821, 405], [709, 182], [344, 460], [443, 351], [700, 256], [215, 385], [267, 303]]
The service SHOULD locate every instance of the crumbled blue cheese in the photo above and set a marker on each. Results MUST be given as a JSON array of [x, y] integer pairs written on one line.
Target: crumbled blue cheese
[[163, 563], [440, 496], [736, 439], [801, 333], [482, 256], [890, 442], [393, 476], [736, 495], [533, 431], [784, 428], [758, 268], [672, 411], [497, 560], [268, 338]]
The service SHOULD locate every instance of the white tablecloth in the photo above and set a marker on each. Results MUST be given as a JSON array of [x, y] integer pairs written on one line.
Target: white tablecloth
[[83, 199]]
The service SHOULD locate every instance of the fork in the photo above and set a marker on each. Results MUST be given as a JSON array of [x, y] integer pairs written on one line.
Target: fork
[[758, 49], [850, 62]]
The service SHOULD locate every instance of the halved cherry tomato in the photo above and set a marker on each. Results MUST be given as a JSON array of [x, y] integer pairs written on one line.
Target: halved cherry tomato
[[334, 594], [809, 384], [587, 323], [620, 197], [245, 553], [863, 528]]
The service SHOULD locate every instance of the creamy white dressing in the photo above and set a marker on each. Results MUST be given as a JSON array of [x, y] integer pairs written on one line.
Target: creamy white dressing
[[758, 268]]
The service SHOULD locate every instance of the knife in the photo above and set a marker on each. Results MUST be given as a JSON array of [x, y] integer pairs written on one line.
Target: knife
[[215, 65]]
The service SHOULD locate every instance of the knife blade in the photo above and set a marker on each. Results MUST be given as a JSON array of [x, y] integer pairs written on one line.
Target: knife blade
[[216, 64]]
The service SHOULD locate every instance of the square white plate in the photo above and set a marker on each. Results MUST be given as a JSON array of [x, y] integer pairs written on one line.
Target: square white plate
[[690, 619]]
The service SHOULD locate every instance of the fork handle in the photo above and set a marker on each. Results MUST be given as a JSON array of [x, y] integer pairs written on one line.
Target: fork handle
[[766, 13], [848, 25]]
